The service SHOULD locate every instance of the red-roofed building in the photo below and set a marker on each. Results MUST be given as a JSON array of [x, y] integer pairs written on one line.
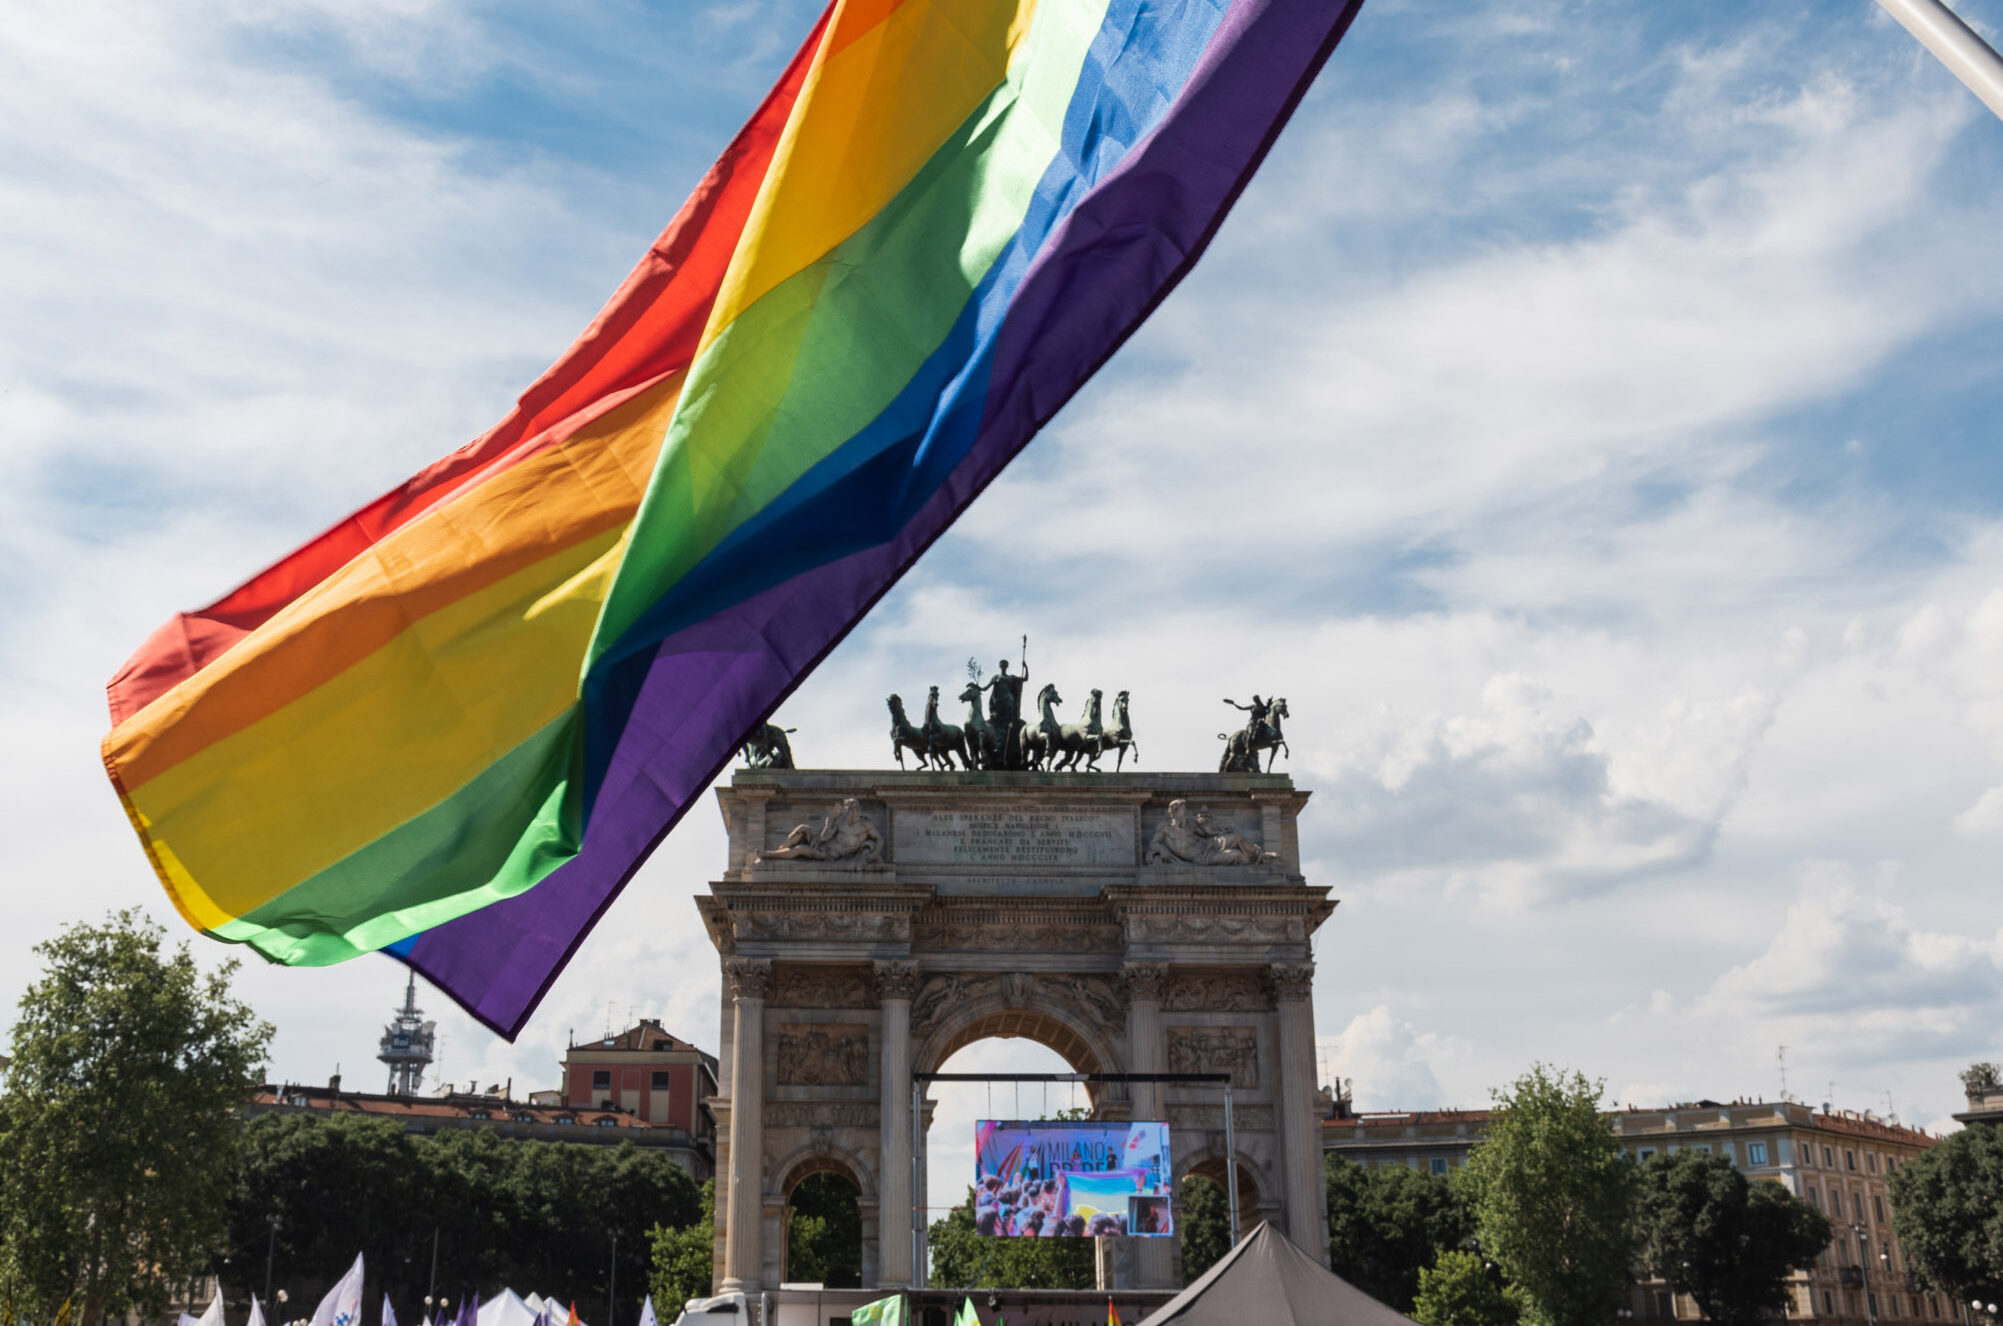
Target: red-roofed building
[[645, 1072]]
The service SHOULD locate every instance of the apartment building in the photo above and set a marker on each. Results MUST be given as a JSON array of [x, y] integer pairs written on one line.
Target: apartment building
[[1436, 1141], [1838, 1161]]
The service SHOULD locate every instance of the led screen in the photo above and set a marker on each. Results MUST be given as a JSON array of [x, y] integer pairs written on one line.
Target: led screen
[[1071, 1180]]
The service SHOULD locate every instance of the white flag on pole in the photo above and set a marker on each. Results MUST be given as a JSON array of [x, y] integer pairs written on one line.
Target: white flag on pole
[[256, 1313], [389, 1313], [343, 1304], [647, 1312], [214, 1316]]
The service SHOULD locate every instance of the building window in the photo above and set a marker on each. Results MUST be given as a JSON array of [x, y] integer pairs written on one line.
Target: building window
[[1647, 1151], [1828, 1158], [1857, 1205], [1665, 1306], [1850, 1160], [662, 1079], [601, 1079], [1878, 1205], [1828, 1304], [1808, 1156], [565, 1118], [1439, 1164], [606, 1121], [1871, 1161], [1933, 1307], [1705, 1147], [1872, 1300], [1756, 1153], [1814, 1200]]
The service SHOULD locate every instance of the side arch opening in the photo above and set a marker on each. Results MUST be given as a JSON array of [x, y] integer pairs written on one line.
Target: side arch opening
[[824, 1234]]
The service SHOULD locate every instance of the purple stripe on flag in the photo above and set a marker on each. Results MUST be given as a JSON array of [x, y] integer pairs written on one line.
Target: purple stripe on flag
[[1103, 271]]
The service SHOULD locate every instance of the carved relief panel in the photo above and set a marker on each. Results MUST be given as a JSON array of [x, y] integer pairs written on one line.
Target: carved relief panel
[[1215, 991], [822, 1054], [1233, 1050], [798, 986]]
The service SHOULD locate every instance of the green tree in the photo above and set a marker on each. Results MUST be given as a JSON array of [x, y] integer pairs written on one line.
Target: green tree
[[1205, 1226], [962, 1258], [683, 1258], [118, 1127], [1553, 1199], [536, 1215], [1727, 1242], [824, 1233], [337, 1186], [1947, 1209], [1387, 1225], [1462, 1289]]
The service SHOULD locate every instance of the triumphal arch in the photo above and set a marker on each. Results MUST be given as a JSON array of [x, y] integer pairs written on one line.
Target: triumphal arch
[[871, 923]]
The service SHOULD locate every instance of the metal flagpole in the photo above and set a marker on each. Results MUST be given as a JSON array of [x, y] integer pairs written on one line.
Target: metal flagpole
[[1954, 44], [1231, 1161], [920, 1208]]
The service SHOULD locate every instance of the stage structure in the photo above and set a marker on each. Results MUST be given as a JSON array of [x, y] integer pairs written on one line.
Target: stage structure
[[872, 923]]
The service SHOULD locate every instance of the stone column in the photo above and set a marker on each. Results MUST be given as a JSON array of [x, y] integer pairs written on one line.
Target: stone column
[[896, 982], [1154, 1258], [1305, 1185], [746, 1179]]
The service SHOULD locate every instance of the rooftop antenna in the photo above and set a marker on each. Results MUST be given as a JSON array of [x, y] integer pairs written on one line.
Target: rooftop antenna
[[1781, 1056]]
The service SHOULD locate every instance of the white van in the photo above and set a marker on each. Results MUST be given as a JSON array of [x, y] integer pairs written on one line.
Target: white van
[[722, 1310]]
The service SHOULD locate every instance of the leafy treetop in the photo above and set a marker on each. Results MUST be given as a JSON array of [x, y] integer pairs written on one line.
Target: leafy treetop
[[1728, 1242], [1553, 1199], [118, 1125]]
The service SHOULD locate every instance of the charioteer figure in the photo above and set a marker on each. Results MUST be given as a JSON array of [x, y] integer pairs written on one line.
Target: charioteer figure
[[1005, 711]]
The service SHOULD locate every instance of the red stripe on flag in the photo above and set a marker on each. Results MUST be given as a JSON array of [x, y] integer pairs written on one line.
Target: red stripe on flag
[[649, 329]]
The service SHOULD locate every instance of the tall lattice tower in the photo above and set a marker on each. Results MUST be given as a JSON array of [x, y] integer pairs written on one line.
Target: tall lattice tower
[[407, 1042]]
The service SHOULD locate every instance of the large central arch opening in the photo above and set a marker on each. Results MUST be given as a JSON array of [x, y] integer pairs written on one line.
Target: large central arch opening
[[1004, 1040]]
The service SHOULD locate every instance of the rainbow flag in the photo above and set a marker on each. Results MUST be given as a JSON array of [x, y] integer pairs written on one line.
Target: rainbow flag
[[453, 725]]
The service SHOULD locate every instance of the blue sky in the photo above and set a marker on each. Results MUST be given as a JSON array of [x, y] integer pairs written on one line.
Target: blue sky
[[1587, 420]]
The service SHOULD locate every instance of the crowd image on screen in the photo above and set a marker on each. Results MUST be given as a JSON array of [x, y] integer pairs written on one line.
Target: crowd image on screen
[[1036, 1208]]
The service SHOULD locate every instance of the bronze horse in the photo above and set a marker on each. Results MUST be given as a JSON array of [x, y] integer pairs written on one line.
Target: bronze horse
[[1241, 748], [934, 748]]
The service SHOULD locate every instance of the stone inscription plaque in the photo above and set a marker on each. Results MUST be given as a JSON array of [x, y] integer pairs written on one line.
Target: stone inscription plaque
[[1014, 837]]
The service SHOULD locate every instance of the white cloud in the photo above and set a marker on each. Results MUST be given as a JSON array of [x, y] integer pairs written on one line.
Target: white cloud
[[1389, 1060], [1848, 962], [1524, 800], [1984, 819]]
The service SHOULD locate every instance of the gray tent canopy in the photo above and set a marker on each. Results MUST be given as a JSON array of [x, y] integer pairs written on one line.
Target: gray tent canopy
[[1268, 1281]]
